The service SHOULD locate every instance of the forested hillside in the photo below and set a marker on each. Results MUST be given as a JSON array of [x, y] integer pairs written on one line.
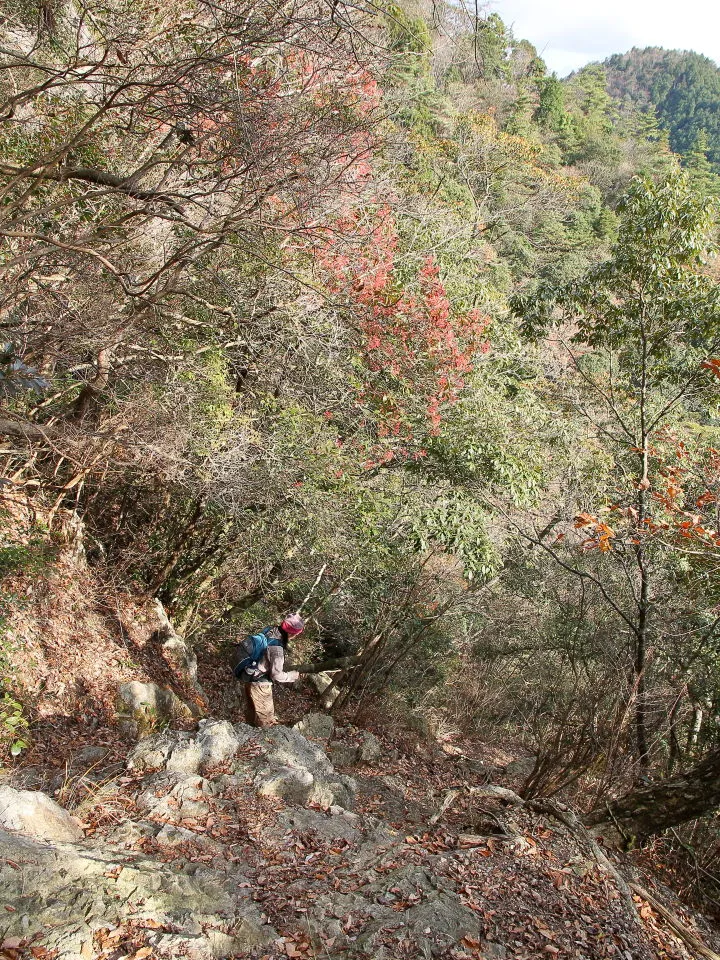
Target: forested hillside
[[362, 311], [682, 88]]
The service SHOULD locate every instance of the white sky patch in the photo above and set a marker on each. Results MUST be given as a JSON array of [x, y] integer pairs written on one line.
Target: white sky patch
[[570, 33]]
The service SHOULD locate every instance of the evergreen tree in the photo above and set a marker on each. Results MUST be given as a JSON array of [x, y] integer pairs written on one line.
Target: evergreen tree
[[702, 176]]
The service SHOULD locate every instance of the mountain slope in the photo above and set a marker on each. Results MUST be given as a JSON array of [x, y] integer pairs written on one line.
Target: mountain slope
[[683, 88], [207, 848]]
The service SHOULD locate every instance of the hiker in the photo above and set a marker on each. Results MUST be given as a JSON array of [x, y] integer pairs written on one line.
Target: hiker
[[259, 660]]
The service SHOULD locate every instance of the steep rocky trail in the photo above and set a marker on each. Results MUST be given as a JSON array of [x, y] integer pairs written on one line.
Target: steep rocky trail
[[232, 842], [208, 839]]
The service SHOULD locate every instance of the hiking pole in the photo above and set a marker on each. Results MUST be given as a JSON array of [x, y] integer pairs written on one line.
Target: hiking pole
[[313, 587]]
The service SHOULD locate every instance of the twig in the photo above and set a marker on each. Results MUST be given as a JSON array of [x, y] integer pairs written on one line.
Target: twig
[[319, 577]]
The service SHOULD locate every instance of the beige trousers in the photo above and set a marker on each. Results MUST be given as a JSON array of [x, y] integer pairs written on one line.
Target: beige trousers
[[259, 706]]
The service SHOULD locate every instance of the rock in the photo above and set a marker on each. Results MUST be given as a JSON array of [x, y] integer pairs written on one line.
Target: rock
[[172, 796], [186, 757], [220, 741], [293, 784], [153, 752], [343, 754], [298, 771], [213, 945], [131, 833], [34, 814], [339, 825], [175, 750], [318, 726], [142, 707], [522, 767], [370, 749], [287, 747], [297, 785], [61, 895], [322, 683]]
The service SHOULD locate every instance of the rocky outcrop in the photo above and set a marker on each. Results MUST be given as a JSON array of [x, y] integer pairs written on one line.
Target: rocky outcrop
[[143, 707], [317, 726], [178, 652], [62, 896], [298, 771], [34, 814], [216, 839], [286, 764]]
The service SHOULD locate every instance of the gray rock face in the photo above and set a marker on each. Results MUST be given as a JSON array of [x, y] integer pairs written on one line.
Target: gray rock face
[[34, 814], [289, 766], [198, 857], [177, 652], [285, 746], [142, 707], [317, 726], [215, 742], [294, 784], [298, 771], [63, 894]]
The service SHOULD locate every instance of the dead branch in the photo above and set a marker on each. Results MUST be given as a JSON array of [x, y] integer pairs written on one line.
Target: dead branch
[[689, 938], [339, 663], [100, 178], [25, 431]]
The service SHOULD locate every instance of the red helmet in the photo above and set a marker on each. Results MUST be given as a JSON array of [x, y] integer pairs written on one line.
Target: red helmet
[[293, 625]]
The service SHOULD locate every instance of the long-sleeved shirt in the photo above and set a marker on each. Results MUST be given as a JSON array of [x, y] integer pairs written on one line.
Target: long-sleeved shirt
[[272, 662]]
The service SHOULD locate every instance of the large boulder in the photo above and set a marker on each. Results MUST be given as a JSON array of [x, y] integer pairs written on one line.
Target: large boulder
[[317, 726], [298, 772], [143, 707], [220, 741], [284, 746], [285, 763], [34, 814], [215, 742]]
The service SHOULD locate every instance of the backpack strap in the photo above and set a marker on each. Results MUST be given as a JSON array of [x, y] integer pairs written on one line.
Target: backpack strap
[[260, 643]]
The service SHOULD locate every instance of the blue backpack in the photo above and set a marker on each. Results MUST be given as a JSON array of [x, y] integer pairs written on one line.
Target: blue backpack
[[249, 653]]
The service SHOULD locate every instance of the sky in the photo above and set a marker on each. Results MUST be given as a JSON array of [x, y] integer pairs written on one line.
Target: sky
[[570, 33]]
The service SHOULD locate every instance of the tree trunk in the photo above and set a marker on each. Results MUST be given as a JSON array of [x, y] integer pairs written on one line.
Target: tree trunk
[[695, 728], [339, 663], [172, 561], [643, 813]]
